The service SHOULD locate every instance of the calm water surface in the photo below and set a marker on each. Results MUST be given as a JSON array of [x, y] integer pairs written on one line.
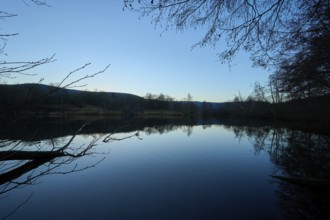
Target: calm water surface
[[166, 172]]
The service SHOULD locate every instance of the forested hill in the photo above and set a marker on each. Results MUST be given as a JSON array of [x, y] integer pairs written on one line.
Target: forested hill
[[44, 99], [44, 95]]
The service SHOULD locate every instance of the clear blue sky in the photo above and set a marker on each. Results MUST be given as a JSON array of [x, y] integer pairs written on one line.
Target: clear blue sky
[[143, 58]]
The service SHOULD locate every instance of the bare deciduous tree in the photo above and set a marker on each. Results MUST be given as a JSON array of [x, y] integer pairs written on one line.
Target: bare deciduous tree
[[269, 30]]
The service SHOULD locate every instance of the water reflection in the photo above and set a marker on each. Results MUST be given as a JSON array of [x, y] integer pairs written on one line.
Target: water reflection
[[163, 129], [303, 159], [297, 154], [34, 130], [47, 145], [31, 150], [24, 163]]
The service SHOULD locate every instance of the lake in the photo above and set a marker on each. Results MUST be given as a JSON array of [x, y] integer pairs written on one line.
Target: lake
[[160, 169]]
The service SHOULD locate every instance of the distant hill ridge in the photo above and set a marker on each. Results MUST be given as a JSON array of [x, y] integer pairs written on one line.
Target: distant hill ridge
[[50, 98], [48, 88]]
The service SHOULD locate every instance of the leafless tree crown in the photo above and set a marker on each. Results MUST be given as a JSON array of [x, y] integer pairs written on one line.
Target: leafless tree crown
[[266, 29]]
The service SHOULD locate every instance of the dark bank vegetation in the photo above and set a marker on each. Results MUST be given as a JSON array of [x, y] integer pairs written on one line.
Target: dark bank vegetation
[[312, 112]]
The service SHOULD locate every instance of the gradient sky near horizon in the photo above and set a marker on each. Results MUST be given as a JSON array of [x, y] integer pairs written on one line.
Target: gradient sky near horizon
[[143, 58]]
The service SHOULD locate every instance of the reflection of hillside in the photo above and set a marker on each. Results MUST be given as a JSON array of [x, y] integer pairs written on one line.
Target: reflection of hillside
[[50, 128], [161, 129], [168, 128], [33, 130]]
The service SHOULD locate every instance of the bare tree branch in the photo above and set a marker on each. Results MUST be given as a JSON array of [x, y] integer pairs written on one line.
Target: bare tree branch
[[63, 85], [13, 69], [263, 28]]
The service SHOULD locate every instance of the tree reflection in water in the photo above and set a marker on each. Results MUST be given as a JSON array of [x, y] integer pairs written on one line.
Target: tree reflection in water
[[299, 156], [32, 154], [188, 129], [23, 163]]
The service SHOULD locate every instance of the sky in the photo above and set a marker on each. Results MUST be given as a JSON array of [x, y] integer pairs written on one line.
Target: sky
[[143, 58]]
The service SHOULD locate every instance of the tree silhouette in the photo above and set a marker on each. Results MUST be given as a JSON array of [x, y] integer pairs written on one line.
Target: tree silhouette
[[22, 167], [269, 30], [307, 73]]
